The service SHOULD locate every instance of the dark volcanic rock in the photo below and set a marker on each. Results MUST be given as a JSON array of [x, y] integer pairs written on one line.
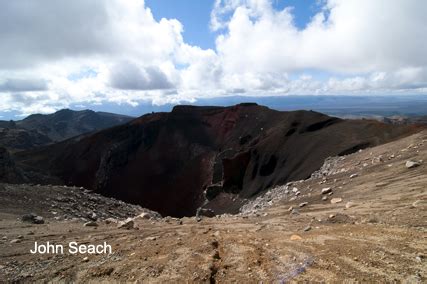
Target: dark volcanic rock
[[32, 218], [205, 212], [67, 123], [18, 139], [213, 190], [8, 170], [38, 130], [166, 161]]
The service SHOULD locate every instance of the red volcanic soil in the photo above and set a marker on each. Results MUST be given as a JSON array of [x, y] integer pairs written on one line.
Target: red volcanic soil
[[165, 161]]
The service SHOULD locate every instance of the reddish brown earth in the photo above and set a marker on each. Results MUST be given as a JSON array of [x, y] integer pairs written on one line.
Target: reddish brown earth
[[380, 238], [165, 161]]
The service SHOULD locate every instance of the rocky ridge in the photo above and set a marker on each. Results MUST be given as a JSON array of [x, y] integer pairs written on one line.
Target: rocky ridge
[[210, 157], [62, 204]]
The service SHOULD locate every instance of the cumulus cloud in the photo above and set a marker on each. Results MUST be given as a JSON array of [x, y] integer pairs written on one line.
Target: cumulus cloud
[[23, 85], [128, 76], [56, 53], [35, 31], [347, 37]]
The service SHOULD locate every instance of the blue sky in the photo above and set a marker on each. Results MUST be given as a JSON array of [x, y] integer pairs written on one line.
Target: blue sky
[[124, 54], [193, 14]]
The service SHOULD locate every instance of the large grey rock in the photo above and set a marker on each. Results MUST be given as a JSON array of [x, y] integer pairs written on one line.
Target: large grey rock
[[303, 204], [32, 218], [326, 190], [126, 224], [412, 164]]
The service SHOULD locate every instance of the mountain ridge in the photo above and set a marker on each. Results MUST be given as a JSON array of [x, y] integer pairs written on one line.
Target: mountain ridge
[[168, 162], [42, 129]]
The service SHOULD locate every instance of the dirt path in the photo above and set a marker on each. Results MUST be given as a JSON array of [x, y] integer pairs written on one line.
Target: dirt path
[[380, 236]]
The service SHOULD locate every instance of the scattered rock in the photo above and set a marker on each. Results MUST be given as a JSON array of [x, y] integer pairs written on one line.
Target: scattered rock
[[324, 198], [90, 224], [32, 218], [216, 255], [412, 164], [349, 204], [326, 190], [416, 203], [143, 215], [15, 241], [354, 175], [303, 204], [92, 216], [336, 200], [126, 224], [205, 212], [295, 238], [370, 219], [38, 220], [86, 259], [308, 228], [111, 221]]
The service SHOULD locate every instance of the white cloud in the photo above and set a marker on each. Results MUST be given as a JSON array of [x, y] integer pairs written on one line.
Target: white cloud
[[128, 76], [23, 85], [357, 36], [56, 53]]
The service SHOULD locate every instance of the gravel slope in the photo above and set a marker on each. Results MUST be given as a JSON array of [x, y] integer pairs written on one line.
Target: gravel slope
[[380, 236]]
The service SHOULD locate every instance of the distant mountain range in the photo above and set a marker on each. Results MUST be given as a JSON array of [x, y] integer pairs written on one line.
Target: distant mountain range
[[38, 129], [192, 157]]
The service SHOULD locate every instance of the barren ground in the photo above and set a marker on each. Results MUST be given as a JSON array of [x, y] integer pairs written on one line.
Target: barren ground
[[381, 237]]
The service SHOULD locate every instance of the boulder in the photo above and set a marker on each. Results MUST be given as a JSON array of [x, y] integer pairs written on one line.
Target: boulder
[[296, 238], [90, 224], [326, 190], [336, 200], [412, 164], [308, 228], [303, 204], [32, 218], [38, 220], [144, 215], [126, 224], [111, 220]]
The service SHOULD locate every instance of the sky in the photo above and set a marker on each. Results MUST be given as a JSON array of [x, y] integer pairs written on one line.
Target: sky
[[114, 54]]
